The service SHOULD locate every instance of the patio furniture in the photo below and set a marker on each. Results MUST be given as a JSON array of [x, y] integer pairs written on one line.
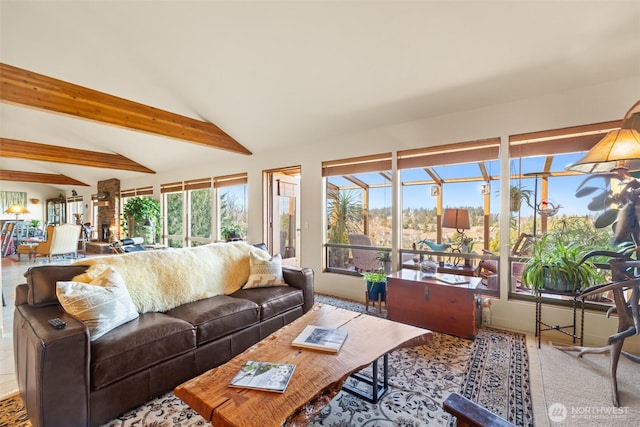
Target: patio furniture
[[363, 259]]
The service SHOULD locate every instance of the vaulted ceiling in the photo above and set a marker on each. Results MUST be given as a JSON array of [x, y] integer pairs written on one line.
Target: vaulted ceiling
[[250, 77]]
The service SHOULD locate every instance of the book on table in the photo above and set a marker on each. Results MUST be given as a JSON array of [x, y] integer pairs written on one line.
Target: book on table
[[265, 376], [452, 279], [321, 338]]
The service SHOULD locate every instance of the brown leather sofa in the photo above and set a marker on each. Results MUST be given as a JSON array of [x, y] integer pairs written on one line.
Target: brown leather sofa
[[67, 380]]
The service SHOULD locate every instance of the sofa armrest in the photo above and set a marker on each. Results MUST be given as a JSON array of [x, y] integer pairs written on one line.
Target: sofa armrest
[[301, 278], [52, 366]]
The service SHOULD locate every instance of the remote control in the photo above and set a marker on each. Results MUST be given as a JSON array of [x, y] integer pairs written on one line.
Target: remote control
[[57, 323]]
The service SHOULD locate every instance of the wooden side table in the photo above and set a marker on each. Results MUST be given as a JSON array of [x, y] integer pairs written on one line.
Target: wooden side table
[[432, 304]]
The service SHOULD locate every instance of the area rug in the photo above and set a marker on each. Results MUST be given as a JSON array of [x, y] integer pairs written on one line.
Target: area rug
[[492, 370], [497, 376]]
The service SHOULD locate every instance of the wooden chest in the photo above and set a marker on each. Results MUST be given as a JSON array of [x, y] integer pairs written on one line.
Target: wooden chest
[[432, 304]]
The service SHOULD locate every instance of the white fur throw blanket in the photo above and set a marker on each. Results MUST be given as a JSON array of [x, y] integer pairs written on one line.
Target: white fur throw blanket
[[160, 280]]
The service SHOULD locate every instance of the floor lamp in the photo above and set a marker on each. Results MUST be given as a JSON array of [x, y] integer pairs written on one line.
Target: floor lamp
[[16, 209]]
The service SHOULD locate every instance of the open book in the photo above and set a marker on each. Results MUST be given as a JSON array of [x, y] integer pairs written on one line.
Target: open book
[[264, 376], [321, 338], [452, 279]]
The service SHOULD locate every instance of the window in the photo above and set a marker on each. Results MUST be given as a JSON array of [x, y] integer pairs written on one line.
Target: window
[[232, 204], [75, 208], [199, 213], [358, 203], [543, 194], [173, 214], [452, 176], [191, 208]]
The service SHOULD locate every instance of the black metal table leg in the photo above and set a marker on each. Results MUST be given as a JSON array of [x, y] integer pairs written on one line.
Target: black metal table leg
[[378, 388]]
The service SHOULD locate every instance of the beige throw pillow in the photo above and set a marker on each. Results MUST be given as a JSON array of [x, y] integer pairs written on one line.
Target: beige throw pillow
[[102, 305], [264, 273]]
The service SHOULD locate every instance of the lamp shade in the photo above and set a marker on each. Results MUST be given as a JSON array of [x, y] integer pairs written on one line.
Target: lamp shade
[[16, 209], [619, 149], [456, 218]]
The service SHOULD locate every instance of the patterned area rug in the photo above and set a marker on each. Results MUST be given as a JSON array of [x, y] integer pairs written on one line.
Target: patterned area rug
[[492, 370], [498, 375]]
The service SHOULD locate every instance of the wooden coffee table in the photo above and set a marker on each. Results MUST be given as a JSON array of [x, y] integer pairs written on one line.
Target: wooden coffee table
[[318, 377]]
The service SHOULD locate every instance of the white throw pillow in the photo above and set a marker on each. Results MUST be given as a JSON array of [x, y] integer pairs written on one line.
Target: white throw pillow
[[264, 273], [102, 305]]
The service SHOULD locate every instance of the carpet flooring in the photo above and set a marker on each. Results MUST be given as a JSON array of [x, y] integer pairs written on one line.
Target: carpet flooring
[[492, 370]]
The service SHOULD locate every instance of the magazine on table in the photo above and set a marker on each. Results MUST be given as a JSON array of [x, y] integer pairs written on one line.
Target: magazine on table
[[452, 279], [321, 338], [266, 376]]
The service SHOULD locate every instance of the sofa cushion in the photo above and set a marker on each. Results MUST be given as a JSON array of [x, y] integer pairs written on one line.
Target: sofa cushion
[[217, 316], [264, 272], [272, 301], [139, 344], [41, 282], [102, 305]]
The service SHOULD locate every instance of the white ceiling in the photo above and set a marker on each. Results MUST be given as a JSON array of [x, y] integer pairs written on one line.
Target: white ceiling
[[278, 74]]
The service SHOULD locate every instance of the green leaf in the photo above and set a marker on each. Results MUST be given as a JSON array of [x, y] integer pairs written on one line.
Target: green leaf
[[607, 218], [585, 191], [599, 202]]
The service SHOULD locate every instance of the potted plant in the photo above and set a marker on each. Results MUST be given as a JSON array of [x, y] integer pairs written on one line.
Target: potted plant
[[344, 213], [231, 232], [517, 196], [136, 212], [385, 258], [376, 284], [557, 267]]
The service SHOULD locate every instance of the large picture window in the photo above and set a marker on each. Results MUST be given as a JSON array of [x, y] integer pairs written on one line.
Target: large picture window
[[358, 206], [191, 208], [455, 178], [543, 202]]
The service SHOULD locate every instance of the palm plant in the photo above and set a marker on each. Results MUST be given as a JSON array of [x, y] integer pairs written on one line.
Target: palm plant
[[344, 215]]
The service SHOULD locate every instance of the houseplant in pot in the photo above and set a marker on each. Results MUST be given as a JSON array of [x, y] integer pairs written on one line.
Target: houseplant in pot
[[385, 258], [136, 212], [231, 232], [376, 282], [555, 266]]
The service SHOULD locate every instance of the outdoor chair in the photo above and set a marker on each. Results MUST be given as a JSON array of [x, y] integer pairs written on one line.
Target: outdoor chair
[[363, 259]]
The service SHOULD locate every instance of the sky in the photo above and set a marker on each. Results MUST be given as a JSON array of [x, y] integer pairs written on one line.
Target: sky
[[561, 189]]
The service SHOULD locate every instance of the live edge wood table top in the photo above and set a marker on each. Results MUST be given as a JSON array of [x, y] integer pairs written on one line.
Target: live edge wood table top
[[318, 376]]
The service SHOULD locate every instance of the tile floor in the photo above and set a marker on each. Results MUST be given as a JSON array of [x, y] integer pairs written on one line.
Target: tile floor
[[12, 274]]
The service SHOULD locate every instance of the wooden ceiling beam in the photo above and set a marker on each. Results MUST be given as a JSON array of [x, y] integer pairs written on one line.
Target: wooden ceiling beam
[[42, 178], [30, 89], [73, 156]]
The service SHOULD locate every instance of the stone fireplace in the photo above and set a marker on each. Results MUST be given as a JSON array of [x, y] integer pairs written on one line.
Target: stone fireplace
[[108, 224]]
